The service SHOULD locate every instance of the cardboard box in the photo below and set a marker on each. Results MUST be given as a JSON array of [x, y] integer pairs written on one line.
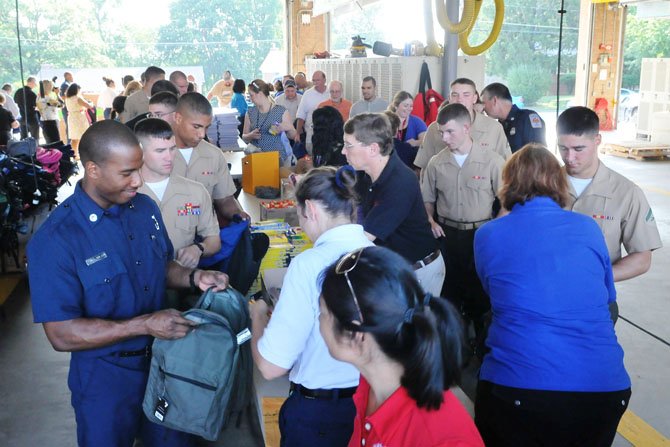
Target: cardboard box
[[289, 212]]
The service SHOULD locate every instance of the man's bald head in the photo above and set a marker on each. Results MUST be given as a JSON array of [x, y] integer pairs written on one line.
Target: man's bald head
[[104, 138], [194, 103]]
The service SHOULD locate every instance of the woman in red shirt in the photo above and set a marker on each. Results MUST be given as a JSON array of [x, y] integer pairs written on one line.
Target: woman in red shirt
[[406, 345]]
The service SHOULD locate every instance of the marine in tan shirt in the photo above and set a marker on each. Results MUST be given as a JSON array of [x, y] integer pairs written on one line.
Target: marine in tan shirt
[[615, 203], [621, 210], [185, 205], [485, 131], [459, 186], [201, 161]]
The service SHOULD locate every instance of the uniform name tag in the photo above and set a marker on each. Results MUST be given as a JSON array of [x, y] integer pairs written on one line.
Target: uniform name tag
[[93, 259]]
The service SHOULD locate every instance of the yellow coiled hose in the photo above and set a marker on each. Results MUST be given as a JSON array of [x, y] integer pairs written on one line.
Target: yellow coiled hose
[[493, 35]]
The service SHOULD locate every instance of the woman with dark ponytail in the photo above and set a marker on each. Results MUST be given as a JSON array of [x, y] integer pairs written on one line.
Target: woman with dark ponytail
[[319, 410], [407, 346]]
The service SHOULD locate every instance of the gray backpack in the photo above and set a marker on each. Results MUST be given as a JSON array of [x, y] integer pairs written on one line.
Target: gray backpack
[[199, 382]]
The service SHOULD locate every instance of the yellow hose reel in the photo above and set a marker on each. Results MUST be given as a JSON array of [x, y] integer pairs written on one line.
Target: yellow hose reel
[[464, 27]]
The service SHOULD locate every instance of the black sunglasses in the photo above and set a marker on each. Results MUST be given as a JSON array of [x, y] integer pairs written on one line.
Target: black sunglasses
[[345, 265]]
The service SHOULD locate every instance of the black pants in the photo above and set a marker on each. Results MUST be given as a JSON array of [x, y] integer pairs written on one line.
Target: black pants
[[461, 284], [50, 131], [34, 128], [512, 417]]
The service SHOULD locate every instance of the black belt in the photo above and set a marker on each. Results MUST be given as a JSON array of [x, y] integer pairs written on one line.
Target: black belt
[[144, 352], [427, 260], [461, 225], [335, 393]]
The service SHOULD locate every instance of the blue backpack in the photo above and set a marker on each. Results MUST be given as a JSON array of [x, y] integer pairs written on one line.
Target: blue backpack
[[198, 383]]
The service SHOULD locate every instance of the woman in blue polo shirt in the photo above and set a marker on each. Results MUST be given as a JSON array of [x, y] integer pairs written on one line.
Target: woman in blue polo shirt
[[554, 375], [319, 411]]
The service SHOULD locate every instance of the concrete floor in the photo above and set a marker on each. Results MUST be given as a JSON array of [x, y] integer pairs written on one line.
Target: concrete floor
[[36, 407]]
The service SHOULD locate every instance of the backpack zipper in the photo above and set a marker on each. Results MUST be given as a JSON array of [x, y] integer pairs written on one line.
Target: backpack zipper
[[187, 380]]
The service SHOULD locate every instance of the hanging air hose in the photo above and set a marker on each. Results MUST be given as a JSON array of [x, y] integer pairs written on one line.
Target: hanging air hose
[[467, 19], [493, 36], [463, 28]]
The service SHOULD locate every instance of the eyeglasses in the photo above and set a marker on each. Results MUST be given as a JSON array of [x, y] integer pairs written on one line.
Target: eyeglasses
[[345, 265], [349, 146], [159, 114]]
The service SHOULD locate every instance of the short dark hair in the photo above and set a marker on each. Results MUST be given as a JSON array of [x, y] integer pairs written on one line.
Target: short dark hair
[[457, 112], [497, 90], [531, 172], [420, 332], [331, 187], [369, 128], [7, 87], [72, 90], [239, 86], [578, 121], [166, 98], [152, 72], [102, 138], [163, 85], [175, 75], [153, 128], [126, 79], [259, 86], [465, 81], [370, 79], [194, 102]]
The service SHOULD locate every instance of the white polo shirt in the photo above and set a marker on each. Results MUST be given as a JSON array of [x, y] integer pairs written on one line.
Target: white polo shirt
[[292, 339]]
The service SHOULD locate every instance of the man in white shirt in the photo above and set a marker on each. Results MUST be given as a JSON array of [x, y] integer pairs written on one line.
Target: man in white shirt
[[290, 99], [370, 102], [309, 102], [9, 101]]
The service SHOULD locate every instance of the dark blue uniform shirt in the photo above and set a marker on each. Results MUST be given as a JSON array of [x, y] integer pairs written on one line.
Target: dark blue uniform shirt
[[393, 211], [523, 126], [88, 262]]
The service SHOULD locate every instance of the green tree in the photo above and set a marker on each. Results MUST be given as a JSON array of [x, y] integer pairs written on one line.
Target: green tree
[[643, 38], [529, 36], [234, 36]]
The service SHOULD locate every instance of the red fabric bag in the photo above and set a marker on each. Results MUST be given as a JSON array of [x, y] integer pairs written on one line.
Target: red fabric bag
[[427, 101]]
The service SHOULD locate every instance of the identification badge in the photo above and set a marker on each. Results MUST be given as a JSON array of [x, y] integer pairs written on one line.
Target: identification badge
[[93, 259], [161, 409], [243, 336]]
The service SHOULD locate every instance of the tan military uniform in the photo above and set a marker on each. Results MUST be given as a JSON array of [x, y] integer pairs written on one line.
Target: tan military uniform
[[463, 194], [490, 134], [486, 131], [621, 210], [135, 104], [209, 167], [186, 209], [432, 144]]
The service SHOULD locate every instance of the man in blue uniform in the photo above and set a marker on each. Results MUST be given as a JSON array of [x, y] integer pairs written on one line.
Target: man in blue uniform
[[522, 126], [98, 269]]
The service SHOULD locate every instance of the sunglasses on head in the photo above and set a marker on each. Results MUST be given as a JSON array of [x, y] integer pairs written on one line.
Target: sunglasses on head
[[345, 265]]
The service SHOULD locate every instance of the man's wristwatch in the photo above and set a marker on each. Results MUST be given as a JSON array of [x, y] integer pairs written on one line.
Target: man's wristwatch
[[191, 279], [200, 246]]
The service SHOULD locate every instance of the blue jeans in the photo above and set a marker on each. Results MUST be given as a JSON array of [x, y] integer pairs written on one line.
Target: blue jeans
[[305, 422]]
